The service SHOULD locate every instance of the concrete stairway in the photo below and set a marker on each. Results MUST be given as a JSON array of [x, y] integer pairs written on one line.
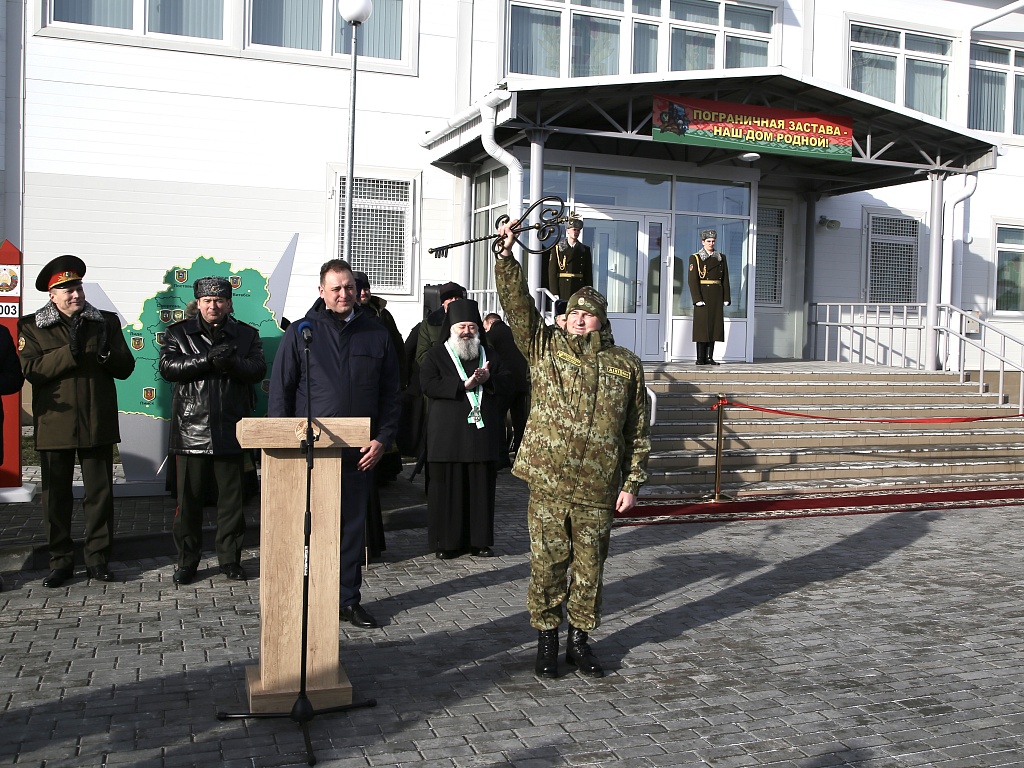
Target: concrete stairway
[[773, 453]]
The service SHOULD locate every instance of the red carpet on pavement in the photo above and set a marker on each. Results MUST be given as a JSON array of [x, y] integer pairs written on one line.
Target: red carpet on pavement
[[662, 511]]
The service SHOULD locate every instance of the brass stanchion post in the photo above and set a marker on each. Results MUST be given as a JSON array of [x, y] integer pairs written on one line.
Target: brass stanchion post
[[719, 445]]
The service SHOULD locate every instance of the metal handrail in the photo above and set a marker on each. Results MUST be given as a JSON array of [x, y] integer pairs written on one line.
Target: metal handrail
[[880, 334]]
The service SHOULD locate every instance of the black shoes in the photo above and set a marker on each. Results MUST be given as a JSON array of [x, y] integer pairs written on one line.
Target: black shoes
[[357, 616], [185, 574], [234, 572], [579, 655], [481, 552], [448, 554], [547, 653], [57, 577], [100, 573]]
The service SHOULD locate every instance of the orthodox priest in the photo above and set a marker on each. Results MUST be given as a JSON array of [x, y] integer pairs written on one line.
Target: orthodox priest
[[708, 278], [464, 380], [570, 266]]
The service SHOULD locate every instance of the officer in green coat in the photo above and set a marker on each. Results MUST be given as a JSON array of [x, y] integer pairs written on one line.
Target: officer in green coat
[[708, 278], [570, 265], [583, 454], [71, 353]]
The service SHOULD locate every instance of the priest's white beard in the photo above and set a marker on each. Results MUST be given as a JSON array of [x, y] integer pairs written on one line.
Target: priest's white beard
[[466, 349]]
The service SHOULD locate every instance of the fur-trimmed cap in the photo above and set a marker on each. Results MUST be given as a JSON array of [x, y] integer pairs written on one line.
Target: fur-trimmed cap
[[212, 286], [451, 291], [706, 233]]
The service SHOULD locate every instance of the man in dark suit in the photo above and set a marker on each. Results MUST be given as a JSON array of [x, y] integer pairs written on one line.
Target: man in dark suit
[[353, 372]]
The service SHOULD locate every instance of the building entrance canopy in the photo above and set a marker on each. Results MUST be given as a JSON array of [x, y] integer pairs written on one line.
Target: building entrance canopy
[[613, 116]]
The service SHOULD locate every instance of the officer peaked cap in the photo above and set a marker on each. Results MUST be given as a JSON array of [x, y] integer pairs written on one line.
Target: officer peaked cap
[[65, 271]]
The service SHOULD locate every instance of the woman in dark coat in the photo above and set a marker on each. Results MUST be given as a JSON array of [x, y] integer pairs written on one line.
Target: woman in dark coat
[[466, 384]]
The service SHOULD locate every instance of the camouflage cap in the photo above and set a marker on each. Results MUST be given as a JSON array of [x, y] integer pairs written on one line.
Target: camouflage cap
[[589, 300]]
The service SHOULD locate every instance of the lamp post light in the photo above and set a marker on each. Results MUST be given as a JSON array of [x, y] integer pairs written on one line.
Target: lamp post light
[[355, 12]]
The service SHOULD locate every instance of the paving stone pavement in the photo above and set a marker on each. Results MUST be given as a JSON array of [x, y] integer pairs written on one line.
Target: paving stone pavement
[[884, 640]]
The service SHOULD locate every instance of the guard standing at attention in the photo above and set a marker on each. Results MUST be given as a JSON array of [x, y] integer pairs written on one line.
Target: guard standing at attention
[[71, 353], [570, 266], [708, 277]]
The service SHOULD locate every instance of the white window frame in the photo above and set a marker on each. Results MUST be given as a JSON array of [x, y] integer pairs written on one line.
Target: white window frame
[[237, 33], [902, 54], [336, 173], [1001, 223], [1012, 69], [627, 20]]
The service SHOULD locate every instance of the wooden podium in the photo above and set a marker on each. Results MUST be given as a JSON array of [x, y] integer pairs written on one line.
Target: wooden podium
[[274, 683]]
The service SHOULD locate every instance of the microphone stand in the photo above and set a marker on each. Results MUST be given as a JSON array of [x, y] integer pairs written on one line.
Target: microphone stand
[[302, 710]]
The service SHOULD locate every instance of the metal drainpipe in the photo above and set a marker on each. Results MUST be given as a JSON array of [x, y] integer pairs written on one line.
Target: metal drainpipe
[[950, 283], [931, 347], [488, 110]]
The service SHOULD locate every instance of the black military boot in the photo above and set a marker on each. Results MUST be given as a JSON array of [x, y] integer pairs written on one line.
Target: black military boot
[[579, 655], [710, 354], [702, 353], [547, 653]]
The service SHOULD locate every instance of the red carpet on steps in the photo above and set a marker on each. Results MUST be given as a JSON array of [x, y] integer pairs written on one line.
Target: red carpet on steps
[[661, 511]]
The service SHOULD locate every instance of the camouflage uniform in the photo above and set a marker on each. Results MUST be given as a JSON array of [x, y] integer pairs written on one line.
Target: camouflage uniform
[[588, 437]]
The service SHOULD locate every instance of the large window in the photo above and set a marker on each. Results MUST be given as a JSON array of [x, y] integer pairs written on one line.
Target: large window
[[306, 28], [996, 89], [906, 68], [1009, 269], [382, 225], [585, 38]]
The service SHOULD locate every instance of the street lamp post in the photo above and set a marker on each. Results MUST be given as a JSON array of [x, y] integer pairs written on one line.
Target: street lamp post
[[355, 12]]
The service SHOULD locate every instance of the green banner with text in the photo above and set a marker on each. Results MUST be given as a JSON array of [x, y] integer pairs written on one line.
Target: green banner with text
[[750, 128]]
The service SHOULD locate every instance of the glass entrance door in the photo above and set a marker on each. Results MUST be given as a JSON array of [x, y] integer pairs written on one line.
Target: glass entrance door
[[629, 262]]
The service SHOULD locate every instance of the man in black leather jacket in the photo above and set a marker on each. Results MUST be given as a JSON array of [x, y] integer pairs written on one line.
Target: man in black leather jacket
[[213, 360]]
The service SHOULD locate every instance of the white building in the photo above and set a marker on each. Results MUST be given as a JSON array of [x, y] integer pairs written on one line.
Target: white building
[[142, 134]]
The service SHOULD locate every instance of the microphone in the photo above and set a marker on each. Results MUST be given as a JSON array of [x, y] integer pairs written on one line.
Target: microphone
[[306, 329]]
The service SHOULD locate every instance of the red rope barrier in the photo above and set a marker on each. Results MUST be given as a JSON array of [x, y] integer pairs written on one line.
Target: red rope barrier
[[933, 420]]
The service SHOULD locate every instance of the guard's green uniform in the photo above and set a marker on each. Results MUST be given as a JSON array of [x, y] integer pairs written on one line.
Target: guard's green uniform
[[708, 278], [570, 267], [587, 438]]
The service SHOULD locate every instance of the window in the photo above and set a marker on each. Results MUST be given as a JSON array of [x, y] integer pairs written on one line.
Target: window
[[382, 225], [306, 28], [769, 256], [892, 259], [99, 13], [905, 68], [1009, 269], [587, 38], [189, 18], [996, 89], [490, 200], [380, 37]]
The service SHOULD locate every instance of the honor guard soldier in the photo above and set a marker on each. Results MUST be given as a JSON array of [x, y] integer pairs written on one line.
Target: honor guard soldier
[[708, 277], [71, 353], [569, 262]]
